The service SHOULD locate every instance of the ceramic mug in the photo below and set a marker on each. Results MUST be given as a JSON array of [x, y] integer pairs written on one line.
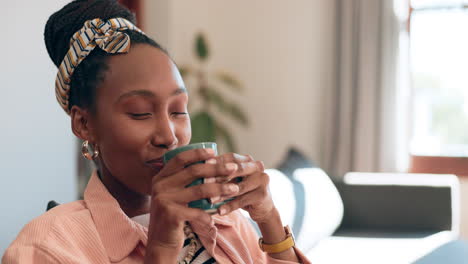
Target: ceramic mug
[[203, 204]]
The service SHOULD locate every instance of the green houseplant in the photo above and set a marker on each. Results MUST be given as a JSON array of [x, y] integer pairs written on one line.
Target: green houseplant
[[205, 126]]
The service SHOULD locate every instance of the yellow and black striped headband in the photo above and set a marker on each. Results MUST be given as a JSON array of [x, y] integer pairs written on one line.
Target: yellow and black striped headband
[[106, 34]]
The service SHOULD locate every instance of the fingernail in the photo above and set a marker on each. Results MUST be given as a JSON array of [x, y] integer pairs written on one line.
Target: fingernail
[[211, 161], [231, 166], [232, 188], [215, 199], [210, 180], [222, 211], [209, 151]]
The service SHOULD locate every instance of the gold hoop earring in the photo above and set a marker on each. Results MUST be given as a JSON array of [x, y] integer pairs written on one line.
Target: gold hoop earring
[[85, 151]]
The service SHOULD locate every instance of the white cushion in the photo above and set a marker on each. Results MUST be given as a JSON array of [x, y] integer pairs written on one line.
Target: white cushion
[[323, 205]]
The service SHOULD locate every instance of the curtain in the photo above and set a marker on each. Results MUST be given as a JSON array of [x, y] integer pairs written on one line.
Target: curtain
[[366, 121]]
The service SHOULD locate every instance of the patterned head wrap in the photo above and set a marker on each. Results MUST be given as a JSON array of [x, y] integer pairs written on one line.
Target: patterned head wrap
[[107, 35]]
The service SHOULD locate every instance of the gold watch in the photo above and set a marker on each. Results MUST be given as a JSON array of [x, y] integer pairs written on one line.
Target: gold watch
[[284, 245]]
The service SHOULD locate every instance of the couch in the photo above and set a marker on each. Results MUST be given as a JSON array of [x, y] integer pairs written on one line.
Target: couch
[[367, 217]]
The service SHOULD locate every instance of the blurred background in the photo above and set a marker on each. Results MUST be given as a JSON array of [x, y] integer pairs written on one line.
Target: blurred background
[[359, 85]]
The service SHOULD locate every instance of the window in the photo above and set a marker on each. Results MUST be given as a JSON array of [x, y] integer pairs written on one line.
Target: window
[[439, 73]]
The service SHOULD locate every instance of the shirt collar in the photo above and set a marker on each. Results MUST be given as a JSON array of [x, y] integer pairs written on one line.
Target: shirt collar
[[222, 220], [119, 234], [217, 220]]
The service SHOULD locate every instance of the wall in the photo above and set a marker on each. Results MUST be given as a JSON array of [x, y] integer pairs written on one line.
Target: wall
[[36, 153], [281, 50]]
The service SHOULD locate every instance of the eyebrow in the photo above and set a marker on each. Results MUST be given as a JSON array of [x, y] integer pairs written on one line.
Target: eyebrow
[[150, 94], [179, 90]]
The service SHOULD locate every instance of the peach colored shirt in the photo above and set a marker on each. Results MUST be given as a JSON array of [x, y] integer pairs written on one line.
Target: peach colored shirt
[[96, 230]]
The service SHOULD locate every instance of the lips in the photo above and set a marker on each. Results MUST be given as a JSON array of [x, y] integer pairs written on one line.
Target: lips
[[156, 164]]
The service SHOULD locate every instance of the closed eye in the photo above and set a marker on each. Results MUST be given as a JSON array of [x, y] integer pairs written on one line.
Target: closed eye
[[139, 115], [180, 115]]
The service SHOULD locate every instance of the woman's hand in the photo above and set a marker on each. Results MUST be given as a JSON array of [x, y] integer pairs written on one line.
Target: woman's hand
[[253, 195], [169, 199]]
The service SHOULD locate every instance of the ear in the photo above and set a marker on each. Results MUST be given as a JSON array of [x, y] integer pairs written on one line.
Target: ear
[[82, 125]]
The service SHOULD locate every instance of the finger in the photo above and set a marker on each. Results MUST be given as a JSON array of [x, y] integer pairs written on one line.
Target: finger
[[185, 159], [203, 191], [248, 184], [244, 169], [198, 171], [191, 214], [253, 197], [259, 179], [234, 157], [261, 165]]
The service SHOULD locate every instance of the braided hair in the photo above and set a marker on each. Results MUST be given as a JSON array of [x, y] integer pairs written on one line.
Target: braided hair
[[61, 26]]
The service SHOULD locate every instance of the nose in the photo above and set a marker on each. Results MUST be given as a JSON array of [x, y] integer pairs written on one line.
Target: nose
[[164, 134]]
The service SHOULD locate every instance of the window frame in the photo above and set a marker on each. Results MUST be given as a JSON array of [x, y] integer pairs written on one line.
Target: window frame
[[436, 164]]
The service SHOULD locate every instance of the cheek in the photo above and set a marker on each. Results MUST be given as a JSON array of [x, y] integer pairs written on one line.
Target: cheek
[[184, 132], [122, 145], [121, 141]]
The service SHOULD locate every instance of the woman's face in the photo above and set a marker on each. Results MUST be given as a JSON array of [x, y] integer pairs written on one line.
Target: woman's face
[[141, 113]]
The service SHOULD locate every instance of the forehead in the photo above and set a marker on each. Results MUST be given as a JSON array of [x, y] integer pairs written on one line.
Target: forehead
[[144, 67]]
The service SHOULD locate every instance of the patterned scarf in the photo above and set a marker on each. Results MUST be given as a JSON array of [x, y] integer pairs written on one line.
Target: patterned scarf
[[107, 35]]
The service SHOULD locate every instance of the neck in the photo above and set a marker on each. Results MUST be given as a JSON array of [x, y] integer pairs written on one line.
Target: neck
[[131, 202]]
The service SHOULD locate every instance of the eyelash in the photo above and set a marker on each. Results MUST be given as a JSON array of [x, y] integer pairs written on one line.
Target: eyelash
[[147, 115], [139, 115], [180, 113]]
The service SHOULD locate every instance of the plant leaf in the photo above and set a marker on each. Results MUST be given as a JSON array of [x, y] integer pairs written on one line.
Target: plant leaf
[[229, 80], [226, 137], [212, 96], [203, 128], [237, 113], [201, 47]]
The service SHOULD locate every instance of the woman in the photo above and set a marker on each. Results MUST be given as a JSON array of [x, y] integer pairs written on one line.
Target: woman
[[127, 102]]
